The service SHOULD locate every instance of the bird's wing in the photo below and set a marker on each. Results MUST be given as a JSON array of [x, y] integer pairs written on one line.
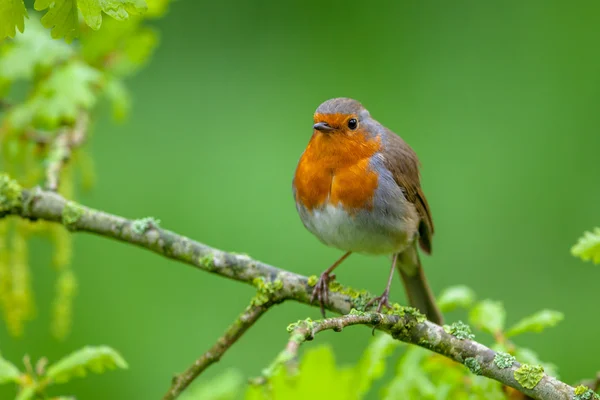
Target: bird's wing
[[403, 163]]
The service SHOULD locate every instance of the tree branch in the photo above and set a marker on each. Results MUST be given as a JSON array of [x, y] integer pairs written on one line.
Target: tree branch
[[405, 325], [245, 320], [410, 328], [62, 147]]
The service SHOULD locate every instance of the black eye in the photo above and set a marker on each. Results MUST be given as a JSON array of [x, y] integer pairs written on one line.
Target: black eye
[[352, 124]]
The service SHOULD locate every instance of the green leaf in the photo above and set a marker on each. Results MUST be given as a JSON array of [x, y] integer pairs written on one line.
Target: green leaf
[[26, 393], [488, 316], [455, 297], [588, 247], [8, 372], [536, 322], [59, 99], [157, 8], [61, 17], [411, 381], [119, 96], [317, 370], [118, 9], [485, 388], [225, 386], [372, 363], [12, 15], [95, 359], [32, 51], [120, 48]]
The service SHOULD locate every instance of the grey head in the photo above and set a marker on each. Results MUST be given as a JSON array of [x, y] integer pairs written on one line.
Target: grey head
[[337, 112], [342, 105]]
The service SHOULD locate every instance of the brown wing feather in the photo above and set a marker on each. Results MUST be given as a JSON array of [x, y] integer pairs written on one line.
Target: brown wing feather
[[403, 163]]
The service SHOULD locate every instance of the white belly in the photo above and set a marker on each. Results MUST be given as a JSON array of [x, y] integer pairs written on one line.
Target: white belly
[[363, 232]]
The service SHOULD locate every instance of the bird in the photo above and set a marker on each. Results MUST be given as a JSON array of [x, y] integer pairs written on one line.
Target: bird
[[357, 188]]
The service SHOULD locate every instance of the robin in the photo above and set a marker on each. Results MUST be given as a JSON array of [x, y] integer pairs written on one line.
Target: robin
[[357, 188]]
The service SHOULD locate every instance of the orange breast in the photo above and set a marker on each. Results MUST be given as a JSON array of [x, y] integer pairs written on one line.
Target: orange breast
[[335, 168]]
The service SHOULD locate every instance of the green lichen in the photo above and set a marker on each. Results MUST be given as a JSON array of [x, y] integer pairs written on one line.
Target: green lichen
[[529, 375], [354, 311], [207, 261], [359, 298], [266, 290], [504, 360], [307, 323], [585, 393], [473, 365], [416, 314], [10, 194], [141, 226], [312, 280], [460, 330], [71, 213], [395, 309]]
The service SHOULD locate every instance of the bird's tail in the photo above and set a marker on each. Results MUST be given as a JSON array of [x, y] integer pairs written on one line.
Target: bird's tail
[[417, 290]]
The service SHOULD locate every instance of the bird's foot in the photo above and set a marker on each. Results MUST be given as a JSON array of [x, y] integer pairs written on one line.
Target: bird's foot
[[321, 290], [382, 300]]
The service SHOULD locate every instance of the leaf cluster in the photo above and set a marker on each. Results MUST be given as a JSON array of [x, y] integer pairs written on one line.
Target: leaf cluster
[[62, 17], [33, 383]]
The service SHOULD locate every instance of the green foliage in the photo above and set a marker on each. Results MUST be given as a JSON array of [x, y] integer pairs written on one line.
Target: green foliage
[[35, 382], [489, 316], [536, 322], [225, 386], [371, 366], [63, 18], [12, 15], [32, 52], [8, 372], [50, 87], [317, 369], [529, 375], [95, 359], [588, 246], [456, 297]]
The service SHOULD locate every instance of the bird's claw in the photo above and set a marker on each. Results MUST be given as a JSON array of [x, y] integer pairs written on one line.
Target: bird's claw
[[382, 300], [321, 290]]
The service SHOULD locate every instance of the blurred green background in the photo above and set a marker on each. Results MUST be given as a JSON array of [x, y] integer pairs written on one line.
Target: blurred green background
[[499, 99]]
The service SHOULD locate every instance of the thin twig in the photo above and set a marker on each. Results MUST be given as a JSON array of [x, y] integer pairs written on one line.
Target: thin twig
[[286, 285], [244, 321], [62, 147]]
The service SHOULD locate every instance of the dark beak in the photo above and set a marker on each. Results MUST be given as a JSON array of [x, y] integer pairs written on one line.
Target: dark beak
[[322, 126]]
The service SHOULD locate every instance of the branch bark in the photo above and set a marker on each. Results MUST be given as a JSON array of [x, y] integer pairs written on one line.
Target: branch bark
[[271, 281]]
